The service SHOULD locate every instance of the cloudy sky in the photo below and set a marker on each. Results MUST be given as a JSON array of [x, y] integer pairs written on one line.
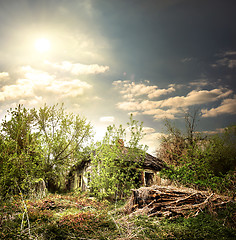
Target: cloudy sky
[[106, 59]]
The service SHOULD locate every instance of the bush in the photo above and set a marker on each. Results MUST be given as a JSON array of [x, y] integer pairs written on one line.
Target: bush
[[202, 162], [115, 167]]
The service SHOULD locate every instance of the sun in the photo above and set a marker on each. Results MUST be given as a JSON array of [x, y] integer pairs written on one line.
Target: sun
[[42, 45]]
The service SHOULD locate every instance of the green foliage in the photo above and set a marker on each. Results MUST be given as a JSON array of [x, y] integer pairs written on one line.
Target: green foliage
[[69, 217], [56, 217], [222, 151], [63, 137], [20, 156], [200, 162], [116, 163], [203, 226], [208, 166], [37, 144]]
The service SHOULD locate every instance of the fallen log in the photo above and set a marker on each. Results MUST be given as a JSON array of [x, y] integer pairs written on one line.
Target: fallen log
[[169, 201]]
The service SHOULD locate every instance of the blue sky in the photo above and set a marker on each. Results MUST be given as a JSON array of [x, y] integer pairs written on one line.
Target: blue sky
[[107, 58]]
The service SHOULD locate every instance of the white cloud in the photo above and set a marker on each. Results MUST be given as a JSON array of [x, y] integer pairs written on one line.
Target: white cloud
[[147, 107], [228, 106], [4, 75], [117, 83], [18, 90], [37, 76], [162, 114], [69, 88], [43, 80], [227, 60], [131, 90], [138, 106], [129, 106], [108, 119], [78, 68], [196, 98], [154, 136], [32, 102], [159, 92], [229, 53], [199, 83], [136, 90], [152, 140], [218, 130], [148, 130], [37, 83], [170, 108], [176, 86]]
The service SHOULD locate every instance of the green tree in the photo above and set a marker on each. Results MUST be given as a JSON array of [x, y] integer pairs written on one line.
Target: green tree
[[40, 143], [222, 151], [63, 136], [116, 162], [20, 156], [201, 162]]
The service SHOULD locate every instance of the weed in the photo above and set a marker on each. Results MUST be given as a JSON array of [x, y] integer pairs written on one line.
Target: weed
[[74, 217]]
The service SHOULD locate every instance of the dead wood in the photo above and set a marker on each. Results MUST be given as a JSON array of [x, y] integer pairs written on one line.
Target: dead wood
[[171, 201]]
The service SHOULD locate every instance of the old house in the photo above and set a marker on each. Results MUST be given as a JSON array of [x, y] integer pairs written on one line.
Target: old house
[[79, 175]]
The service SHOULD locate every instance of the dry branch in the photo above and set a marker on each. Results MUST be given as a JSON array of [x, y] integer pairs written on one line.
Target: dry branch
[[171, 201]]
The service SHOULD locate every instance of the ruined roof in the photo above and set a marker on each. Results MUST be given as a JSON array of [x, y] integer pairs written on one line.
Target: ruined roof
[[148, 162], [153, 163]]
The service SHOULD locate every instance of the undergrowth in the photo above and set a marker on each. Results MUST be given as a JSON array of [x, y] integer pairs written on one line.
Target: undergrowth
[[79, 217]]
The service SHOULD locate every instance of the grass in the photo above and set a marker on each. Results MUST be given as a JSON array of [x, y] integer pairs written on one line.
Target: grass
[[79, 217]]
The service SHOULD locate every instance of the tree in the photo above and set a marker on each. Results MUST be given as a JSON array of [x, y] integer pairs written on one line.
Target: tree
[[222, 151], [40, 143], [176, 143], [116, 162], [20, 155], [63, 137], [172, 146], [202, 162]]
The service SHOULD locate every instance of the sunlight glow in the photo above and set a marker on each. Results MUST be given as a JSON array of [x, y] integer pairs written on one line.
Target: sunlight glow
[[42, 45]]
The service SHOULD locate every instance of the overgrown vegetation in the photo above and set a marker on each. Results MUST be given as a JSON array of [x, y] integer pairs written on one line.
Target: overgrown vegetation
[[201, 162], [116, 163], [79, 217], [55, 217], [42, 145]]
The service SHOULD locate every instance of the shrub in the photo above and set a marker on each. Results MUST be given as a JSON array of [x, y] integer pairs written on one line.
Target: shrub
[[201, 162]]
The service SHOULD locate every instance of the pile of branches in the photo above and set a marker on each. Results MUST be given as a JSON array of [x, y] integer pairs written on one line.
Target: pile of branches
[[169, 201]]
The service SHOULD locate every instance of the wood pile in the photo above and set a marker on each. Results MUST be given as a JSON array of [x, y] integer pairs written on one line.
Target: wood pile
[[169, 201]]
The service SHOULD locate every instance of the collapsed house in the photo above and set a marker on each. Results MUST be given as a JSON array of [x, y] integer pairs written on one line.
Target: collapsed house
[[151, 166]]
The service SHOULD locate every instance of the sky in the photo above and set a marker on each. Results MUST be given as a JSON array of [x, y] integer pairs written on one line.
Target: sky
[[106, 59]]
